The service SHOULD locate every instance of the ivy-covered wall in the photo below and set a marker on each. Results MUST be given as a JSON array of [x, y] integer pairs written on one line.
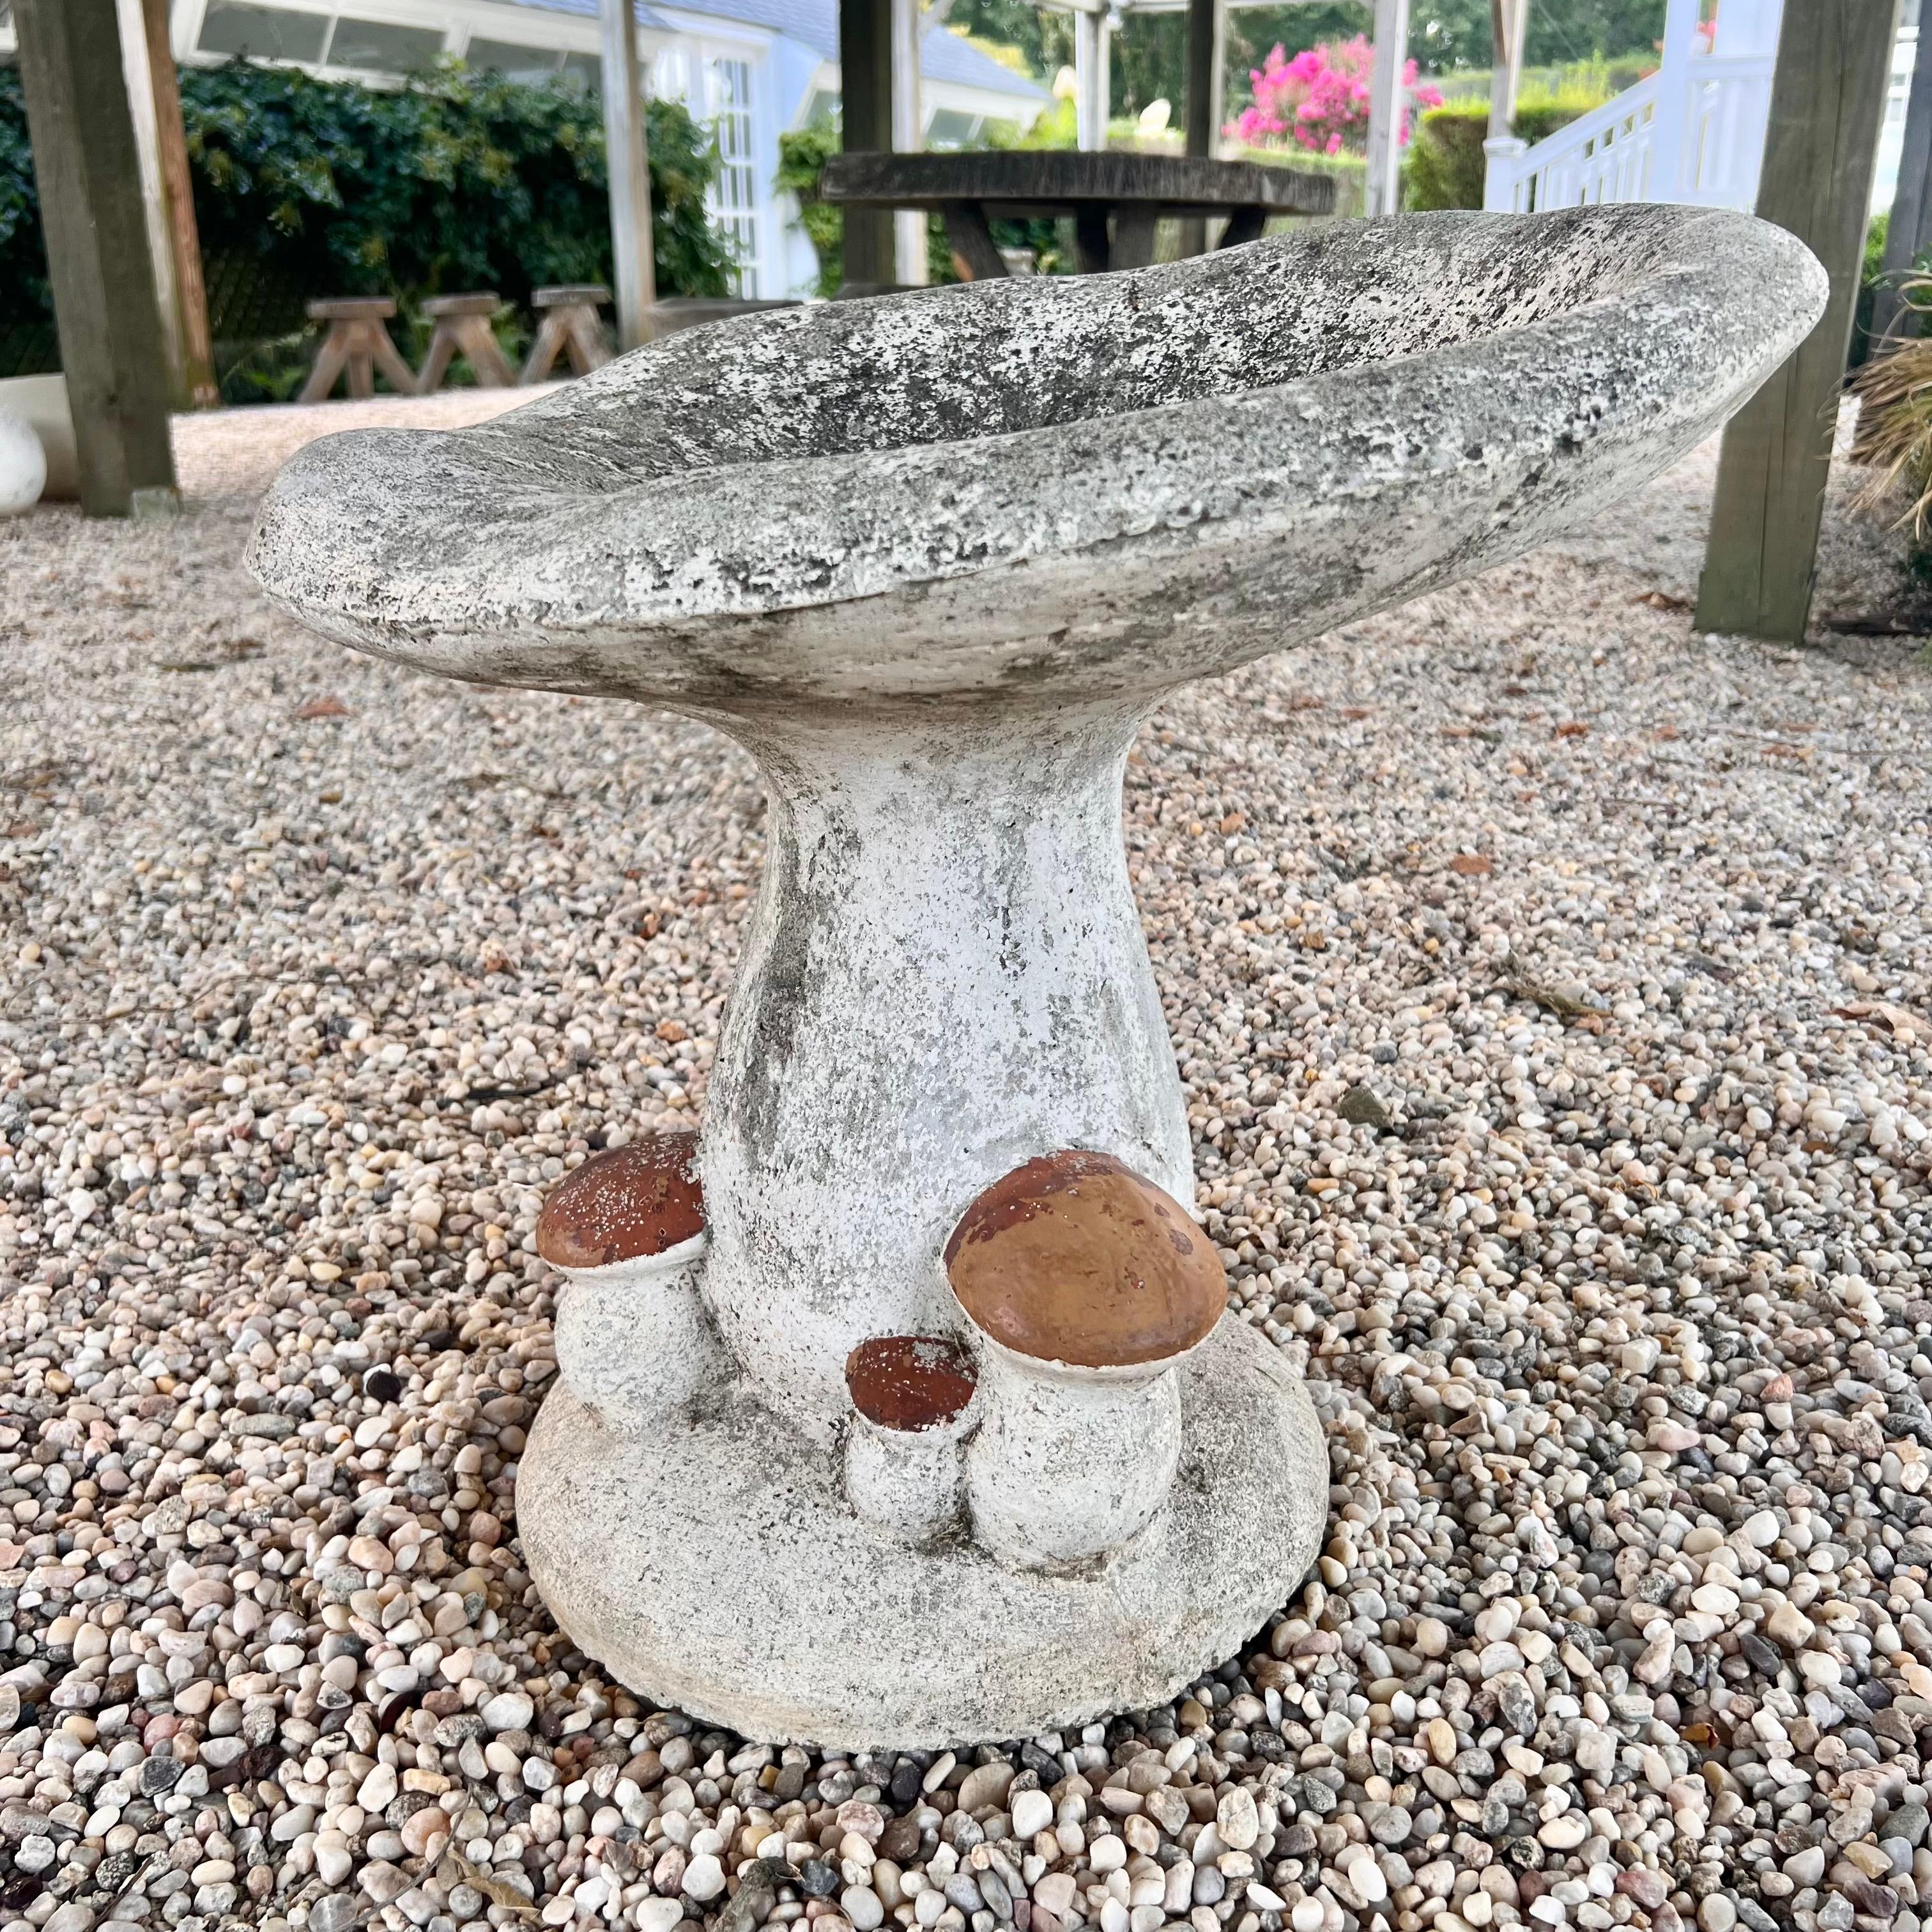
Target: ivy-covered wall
[[306, 188]]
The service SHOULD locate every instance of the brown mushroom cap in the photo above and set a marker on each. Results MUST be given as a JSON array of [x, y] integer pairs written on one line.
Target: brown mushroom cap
[[636, 1200], [909, 1381], [1074, 1258]]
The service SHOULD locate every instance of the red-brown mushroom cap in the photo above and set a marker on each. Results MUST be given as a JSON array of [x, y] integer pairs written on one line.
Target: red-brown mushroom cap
[[1074, 1258], [909, 1381], [634, 1201]]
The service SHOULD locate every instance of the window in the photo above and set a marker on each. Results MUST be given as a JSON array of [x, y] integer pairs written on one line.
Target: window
[[376, 46], [513, 61], [583, 70], [268, 33], [734, 195], [821, 110], [949, 127]]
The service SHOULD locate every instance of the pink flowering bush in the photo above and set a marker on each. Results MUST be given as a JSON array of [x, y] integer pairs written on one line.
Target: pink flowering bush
[[1320, 99]]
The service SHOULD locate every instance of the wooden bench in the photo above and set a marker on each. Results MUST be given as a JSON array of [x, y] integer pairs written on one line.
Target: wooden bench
[[1133, 192], [463, 328], [570, 327], [357, 345]]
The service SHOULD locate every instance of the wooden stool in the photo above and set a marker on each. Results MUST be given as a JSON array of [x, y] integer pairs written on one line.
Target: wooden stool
[[358, 342], [463, 328], [569, 326]]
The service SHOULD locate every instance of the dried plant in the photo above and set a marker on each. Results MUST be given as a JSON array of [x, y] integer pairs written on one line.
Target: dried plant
[[1894, 433]]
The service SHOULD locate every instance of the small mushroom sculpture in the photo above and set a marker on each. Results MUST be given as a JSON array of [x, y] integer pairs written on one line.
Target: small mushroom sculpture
[[628, 1229], [912, 1401], [1088, 1284]]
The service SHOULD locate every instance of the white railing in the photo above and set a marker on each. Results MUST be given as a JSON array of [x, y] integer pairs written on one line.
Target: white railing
[[1604, 155], [1693, 131]]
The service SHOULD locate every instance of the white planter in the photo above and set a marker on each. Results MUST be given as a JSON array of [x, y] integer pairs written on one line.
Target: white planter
[[42, 401], [23, 465]]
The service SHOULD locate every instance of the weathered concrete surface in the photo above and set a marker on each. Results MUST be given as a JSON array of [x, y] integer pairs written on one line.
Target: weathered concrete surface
[[931, 559], [718, 1566], [1105, 484]]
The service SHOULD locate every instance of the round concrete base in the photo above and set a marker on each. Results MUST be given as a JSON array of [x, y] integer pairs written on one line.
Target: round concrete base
[[716, 1565]]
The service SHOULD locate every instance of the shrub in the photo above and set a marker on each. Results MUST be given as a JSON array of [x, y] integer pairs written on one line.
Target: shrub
[[1445, 163], [306, 188]]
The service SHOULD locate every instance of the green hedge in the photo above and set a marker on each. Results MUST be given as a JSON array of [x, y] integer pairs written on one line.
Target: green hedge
[[1445, 163], [1444, 166], [305, 187]]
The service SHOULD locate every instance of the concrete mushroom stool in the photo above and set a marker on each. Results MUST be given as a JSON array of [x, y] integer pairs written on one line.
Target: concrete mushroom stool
[[933, 558], [627, 1230], [1088, 1285], [912, 1401]]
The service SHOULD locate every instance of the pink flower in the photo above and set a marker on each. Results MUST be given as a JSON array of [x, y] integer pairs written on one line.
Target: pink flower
[[1319, 101]]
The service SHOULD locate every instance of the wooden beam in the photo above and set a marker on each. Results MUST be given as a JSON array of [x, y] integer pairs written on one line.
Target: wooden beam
[[1509, 21], [88, 174], [627, 159], [1827, 102], [1908, 232], [909, 254], [1092, 51], [1205, 81], [196, 373], [866, 117], [1382, 191]]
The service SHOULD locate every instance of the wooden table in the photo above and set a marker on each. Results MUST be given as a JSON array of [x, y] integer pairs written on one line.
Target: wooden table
[[1134, 191], [357, 345]]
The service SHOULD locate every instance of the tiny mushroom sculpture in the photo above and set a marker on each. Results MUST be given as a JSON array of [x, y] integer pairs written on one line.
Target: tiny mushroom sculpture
[[912, 1401], [628, 1228], [1088, 1284]]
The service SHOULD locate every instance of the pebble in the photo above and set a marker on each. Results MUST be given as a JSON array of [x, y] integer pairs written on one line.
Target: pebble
[[1613, 1302]]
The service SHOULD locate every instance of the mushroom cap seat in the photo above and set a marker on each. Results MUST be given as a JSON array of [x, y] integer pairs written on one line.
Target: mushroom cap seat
[[1044, 487], [631, 1203], [1075, 1258], [909, 1383]]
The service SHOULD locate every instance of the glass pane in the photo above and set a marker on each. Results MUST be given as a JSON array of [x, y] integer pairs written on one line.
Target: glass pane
[[949, 127], [375, 46], [511, 60], [822, 109], [269, 33], [586, 71]]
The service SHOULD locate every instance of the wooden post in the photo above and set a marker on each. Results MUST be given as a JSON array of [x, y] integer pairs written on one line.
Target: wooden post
[[1908, 233], [1666, 168], [1509, 21], [1206, 77], [196, 373], [88, 176], [1091, 52], [865, 115], [1827, 100], [909, 256], [634, 268], [1382, 192]]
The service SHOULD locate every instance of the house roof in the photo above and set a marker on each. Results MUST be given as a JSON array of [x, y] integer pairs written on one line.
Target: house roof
[[944, 55]]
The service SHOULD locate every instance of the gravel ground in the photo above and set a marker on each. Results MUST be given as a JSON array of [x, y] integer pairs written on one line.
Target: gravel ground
[[1553, 993]]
